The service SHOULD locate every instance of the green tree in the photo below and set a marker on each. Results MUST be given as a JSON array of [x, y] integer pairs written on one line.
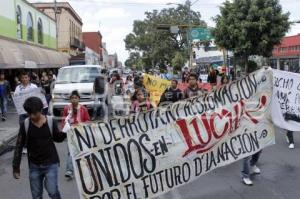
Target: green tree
[[134, 61], [160, 46], [178, 61], [250, 27]]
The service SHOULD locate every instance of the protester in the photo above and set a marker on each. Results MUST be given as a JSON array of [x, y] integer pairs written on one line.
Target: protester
[[172, 94], [74, 113], [185, 75], [53, 76], [35, 79], [25, 86], [100, 97], [225, 79], [290, 139], [16, 83], [4, 95], [250, 167], [129, 84], [46, 86], [193, 89], [116, 85], [232, 75], [212, 77], [137, 84], [39, 133], [142, 102]]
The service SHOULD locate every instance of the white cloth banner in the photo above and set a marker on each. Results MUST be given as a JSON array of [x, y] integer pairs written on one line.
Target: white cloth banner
[[151, 153], [21, 98], [286, 100]]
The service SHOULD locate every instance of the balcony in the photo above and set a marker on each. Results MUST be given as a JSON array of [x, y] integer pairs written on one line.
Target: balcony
[[75, 43]]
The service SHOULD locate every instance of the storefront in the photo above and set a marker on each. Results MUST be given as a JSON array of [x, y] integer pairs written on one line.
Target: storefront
[[16, 56]]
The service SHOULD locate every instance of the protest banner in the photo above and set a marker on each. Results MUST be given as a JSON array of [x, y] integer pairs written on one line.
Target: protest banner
[[286, 100], [155, 86], [21, 98], [151, 153]]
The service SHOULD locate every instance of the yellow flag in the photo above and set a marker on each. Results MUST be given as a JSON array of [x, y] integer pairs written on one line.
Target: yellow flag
[[155, 86]]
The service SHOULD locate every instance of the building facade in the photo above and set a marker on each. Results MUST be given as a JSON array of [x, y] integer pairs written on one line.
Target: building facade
[[105, 55], [69, 26], [93, 40], [286, 56], [113, 61], [27, 37]]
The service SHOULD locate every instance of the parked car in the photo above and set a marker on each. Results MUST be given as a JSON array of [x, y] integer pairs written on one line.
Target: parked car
[[69, 78]]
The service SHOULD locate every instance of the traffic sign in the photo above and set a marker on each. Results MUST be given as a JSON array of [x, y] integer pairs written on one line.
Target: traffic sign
[[201, 34]]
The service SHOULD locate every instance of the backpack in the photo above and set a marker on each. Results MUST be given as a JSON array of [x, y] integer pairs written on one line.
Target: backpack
[[49, 122], [118, 88]]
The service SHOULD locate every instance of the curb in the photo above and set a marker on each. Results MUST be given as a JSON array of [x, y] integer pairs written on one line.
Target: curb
[[6, 143]]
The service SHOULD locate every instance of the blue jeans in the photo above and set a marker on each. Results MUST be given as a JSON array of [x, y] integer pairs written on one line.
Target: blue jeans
[[249, 161], [3, 105], [47, 175]]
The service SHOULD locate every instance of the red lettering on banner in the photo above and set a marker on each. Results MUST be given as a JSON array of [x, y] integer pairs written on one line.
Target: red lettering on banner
[[208, 122]]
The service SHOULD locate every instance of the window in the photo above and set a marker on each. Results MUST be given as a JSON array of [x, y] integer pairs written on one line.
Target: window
[[19, 22], [40, 31], [29, 27]]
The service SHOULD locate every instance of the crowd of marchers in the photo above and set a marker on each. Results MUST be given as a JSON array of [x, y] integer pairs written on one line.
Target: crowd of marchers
[[38, 130]]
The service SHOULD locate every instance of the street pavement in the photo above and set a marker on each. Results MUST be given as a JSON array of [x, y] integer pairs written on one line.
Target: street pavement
[[280, 178], [9, 128]]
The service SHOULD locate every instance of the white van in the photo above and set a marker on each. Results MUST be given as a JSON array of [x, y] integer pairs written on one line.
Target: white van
[[70, 78]]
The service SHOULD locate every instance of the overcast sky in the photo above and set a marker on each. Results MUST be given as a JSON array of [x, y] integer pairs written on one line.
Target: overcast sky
[[114, 18]]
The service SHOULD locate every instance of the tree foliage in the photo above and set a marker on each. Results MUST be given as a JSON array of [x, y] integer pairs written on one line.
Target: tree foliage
[[134, 60], [250, 27], [178, 61], [158, 47]]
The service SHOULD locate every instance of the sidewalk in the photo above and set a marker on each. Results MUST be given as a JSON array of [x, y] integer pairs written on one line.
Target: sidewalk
[[9, 128]]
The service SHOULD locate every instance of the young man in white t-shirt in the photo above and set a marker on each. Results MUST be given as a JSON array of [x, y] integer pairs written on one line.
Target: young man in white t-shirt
[[22, 88]]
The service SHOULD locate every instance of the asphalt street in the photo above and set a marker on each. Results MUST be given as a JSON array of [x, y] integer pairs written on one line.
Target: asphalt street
[[280, 178]]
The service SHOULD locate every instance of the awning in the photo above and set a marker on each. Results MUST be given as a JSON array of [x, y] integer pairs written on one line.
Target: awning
[[21, 55]]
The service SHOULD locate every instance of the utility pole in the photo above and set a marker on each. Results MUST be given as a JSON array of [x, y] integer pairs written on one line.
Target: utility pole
[[188, 34], [56, 22]]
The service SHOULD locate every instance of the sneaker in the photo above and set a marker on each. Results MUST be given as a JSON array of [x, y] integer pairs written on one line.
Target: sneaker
[[291, 146], [69, 174], [247, 181], [3, 118], [255, 170]]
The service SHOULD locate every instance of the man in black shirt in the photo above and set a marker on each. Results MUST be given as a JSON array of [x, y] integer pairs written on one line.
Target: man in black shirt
[[193, 89], [172, 94], [39, 135]]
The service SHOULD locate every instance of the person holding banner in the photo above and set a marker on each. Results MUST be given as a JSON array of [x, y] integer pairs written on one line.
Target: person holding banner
[[39, 133], [249, 167], [73, 114], [193, 89]]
